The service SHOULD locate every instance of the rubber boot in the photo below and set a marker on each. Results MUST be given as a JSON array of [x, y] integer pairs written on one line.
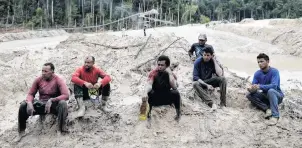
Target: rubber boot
[[104, 104], [82, 108]]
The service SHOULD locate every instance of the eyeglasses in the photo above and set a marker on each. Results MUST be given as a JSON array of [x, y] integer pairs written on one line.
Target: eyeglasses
[[161, 64], [202, 40]]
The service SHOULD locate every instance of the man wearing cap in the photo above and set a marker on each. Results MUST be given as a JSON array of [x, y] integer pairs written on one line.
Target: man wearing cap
[[199, 47]]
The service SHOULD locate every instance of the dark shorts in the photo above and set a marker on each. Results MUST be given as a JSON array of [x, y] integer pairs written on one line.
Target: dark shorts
[[83, 91]]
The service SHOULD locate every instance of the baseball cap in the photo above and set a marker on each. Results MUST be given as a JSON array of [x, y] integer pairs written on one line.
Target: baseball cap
[[202, 37]]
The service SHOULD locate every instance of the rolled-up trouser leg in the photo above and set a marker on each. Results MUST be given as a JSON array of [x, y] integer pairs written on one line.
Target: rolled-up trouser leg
[[202, 93], [22, 117], [81, 93]]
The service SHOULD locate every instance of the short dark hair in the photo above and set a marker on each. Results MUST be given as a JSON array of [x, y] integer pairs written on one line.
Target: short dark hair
[[92, 57], [164, 58], [263, 56], [208, 49], [52, 67]]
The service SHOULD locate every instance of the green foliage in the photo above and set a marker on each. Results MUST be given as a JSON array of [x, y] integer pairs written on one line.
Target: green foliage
[[69, 12], [204, 19]]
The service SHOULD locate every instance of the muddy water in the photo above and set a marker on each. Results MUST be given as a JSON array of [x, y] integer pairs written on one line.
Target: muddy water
[[247, 62]]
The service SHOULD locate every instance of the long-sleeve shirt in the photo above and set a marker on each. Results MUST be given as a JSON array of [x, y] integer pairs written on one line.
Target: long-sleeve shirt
[[203, 70], [54, 88], [198, 49], [80, 76], [268, 80]]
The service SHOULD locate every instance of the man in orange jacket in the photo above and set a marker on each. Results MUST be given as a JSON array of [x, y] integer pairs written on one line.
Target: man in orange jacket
[[85, 79]]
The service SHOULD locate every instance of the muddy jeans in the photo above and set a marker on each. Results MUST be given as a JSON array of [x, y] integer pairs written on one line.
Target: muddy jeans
[[83, 91], [264, 101], [58, 108], [215, 82]]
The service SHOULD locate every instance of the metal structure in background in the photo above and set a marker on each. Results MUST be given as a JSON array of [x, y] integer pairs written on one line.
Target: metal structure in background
[[138, 21]]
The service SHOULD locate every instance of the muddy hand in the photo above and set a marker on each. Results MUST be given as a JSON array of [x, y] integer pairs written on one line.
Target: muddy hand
[[88, 85], [96, 86], [30, 108], [47, 106], [210, 87]]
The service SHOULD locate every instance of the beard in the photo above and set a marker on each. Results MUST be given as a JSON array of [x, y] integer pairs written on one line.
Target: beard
[[263, 68], [87, 69]]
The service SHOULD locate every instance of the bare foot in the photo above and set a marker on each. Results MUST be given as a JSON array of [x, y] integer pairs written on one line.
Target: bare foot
[[19, 137], [177, 118]]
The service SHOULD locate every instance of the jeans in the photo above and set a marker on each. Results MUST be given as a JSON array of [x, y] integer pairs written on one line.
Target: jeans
[[264, 101]]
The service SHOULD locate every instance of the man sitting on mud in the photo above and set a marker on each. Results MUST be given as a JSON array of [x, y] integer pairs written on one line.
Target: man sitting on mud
[[86, 82], [207, 75], [265, 91], [198, 47], [162, 87], [53, 93]]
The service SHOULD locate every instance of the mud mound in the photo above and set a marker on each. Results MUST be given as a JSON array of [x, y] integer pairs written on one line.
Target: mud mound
[[128, 61], [247, 20], [30, 34], [286, 22]]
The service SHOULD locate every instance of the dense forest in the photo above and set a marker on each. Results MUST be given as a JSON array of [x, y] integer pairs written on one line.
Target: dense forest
[[71, 13]]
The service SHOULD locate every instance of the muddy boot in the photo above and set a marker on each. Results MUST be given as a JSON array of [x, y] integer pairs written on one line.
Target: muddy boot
[[268, 114], [82, 108], [272, 121], [104, 104]]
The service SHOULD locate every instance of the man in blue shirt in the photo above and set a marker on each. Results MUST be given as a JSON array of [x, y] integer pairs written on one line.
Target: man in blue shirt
[[208, 74], [265, 91]]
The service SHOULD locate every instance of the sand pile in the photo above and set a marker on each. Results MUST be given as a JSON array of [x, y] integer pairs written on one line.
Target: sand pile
[[128, 61], [247, 20], [286, 22], [284, 33], [30, 34]]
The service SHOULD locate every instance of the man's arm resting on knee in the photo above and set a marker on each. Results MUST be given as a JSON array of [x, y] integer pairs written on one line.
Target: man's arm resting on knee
[[202, 82], [105, 77], [76, 78]]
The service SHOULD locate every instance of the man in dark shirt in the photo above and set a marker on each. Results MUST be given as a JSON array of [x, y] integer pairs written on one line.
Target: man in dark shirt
[[161, 88], [199, 47], [204, 78]]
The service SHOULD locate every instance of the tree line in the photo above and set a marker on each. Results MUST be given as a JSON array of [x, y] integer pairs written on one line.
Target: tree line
[[71, 13]]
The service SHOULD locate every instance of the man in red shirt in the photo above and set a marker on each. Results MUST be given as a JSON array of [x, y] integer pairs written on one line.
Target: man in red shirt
[[162, 87], [53, 93], [86, 78]]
